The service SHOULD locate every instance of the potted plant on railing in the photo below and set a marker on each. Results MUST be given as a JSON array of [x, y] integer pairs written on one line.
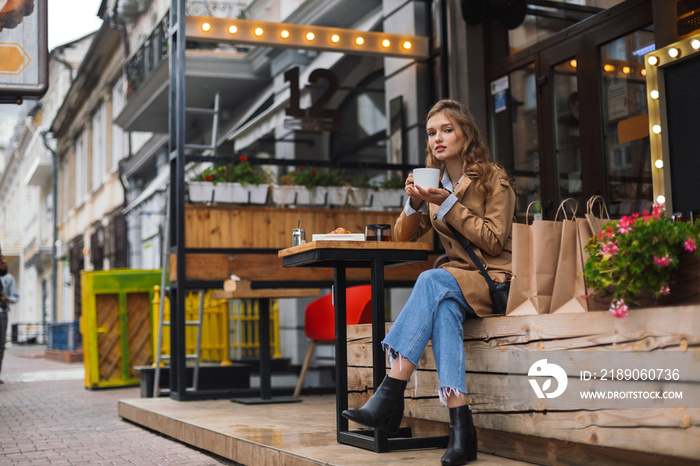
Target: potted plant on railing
[[390, 193], [309, 186], [641, 257], [238, 183]]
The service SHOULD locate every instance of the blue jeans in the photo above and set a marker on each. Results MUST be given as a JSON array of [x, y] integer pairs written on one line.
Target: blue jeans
[[435, 311]]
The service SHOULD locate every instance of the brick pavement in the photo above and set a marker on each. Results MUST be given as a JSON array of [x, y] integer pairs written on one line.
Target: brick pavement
[[47, 417]]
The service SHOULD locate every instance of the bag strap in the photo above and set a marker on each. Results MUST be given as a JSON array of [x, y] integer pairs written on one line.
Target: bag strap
[[466, 244]]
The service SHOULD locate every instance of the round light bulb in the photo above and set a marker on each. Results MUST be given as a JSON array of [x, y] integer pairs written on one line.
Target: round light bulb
[[573, 63], [232, 29], [659, 163], [656, 129], [660, 199], [653, 60], [284, 34], [206, 27], [258, 32], [608, 68], [386, 43], [407, 45], [673, 52], [695, 43], [335, 38], [359, 40], [654, 94], [310, 36], [643, 72], [626, 69]]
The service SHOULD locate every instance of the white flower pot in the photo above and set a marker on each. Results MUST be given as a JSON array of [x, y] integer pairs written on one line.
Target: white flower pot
[[337, 195], [290, 195], [388, 198], [360, 197], [232, 193]]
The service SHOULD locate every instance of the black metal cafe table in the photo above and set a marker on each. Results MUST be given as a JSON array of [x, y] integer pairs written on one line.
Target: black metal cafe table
[[264, 296], [375, 255]]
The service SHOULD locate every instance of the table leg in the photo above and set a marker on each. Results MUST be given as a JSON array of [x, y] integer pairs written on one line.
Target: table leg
[[265, 365], [341, 350]]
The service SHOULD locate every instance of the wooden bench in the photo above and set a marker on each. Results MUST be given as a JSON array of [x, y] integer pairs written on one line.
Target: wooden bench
[[545, 436]]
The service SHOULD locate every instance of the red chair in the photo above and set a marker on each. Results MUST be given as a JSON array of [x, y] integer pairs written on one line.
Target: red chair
[[319, 321]]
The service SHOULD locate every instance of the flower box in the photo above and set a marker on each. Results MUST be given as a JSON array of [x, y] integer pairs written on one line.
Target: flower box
[[230, 193], [360, 197], [388, 198], [337, 195], [290, 195]]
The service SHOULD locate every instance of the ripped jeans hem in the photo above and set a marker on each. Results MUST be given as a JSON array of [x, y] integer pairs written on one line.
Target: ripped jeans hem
[[443, 392]]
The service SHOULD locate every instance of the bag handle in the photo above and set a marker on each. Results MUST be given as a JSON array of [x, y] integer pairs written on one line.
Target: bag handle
[[562, 208], [527, 211], [603, 206]]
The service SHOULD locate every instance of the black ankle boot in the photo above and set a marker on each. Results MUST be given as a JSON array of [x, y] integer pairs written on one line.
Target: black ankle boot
[[384, 410], [462, 445]]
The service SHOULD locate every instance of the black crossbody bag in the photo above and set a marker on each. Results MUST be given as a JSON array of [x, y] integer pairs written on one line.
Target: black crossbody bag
[[499, 291]]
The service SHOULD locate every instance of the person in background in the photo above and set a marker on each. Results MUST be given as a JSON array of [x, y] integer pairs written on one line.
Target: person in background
[[477, 199], [8, 294]]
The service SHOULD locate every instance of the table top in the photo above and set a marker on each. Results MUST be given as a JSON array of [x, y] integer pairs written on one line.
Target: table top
[[354, 254], [363, 245], [262, 293]]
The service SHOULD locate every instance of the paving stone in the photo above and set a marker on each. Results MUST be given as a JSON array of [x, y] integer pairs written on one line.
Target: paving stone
[[49, 418]]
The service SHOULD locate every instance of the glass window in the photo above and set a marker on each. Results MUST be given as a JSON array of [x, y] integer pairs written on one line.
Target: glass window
[[623, 92], [544, 19]]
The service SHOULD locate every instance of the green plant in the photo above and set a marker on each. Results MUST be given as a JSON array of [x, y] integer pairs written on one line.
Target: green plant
[[637, 254], [311, 178], [242, 172], [393, 182]]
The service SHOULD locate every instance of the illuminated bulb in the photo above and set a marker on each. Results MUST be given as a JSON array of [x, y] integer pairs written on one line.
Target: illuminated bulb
[[608, 68], [573, 63], [659, 163], [695, 43], [206, 27], [660, 199], [232, 29], [653, 60], [284, 34], [407, 45], [86, 251], [335, 38], [656, 129], [654, 94], [310, 36], [643, 72], [359, 41], [258, 32], [673, 52], [386, 43], [626, 69]]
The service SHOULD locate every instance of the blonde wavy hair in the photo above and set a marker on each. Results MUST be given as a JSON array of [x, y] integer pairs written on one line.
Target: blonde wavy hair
[[475, 153]]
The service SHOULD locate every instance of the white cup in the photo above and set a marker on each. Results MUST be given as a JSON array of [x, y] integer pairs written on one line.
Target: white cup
[[426, 177]]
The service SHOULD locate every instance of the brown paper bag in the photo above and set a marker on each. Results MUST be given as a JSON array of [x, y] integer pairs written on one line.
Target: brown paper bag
[[535, 254], [569, 285]]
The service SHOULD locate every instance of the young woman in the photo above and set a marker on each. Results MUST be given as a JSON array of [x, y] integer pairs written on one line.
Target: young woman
[[477, 199]]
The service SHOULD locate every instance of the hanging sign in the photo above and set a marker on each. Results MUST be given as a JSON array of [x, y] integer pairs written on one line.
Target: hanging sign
[[316, 117]]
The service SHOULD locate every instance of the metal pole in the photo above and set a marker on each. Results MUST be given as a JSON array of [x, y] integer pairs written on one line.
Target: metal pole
[[54, 261]]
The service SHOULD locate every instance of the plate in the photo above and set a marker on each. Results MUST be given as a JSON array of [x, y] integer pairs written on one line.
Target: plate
[[330, 237]]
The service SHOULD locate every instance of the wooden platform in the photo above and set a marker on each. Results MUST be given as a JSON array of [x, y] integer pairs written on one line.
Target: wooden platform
[[286, 434]]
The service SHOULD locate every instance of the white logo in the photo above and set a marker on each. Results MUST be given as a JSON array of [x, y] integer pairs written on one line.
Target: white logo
[[542, 369]]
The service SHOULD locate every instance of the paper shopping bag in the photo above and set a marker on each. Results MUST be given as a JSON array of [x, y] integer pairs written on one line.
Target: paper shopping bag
[[535, 254], [569, 293]]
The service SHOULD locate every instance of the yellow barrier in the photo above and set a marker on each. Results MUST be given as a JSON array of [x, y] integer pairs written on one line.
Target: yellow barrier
[[216, 345]]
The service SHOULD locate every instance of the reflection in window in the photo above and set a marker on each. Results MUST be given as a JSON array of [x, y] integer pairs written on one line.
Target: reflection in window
[[623, 91]]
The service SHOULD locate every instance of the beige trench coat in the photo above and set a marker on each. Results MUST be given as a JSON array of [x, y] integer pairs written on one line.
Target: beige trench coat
[[487, 225]]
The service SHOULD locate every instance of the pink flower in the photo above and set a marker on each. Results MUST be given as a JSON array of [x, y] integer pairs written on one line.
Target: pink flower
[[610, 248], [665, 290], [658, 210], [619, 309], [663, 261], [625, 225], [690, 245]]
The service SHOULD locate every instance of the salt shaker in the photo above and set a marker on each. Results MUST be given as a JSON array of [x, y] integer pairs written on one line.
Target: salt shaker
[[298, 236]]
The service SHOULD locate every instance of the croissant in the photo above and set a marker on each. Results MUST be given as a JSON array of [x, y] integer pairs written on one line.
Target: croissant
[[340, 231]]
